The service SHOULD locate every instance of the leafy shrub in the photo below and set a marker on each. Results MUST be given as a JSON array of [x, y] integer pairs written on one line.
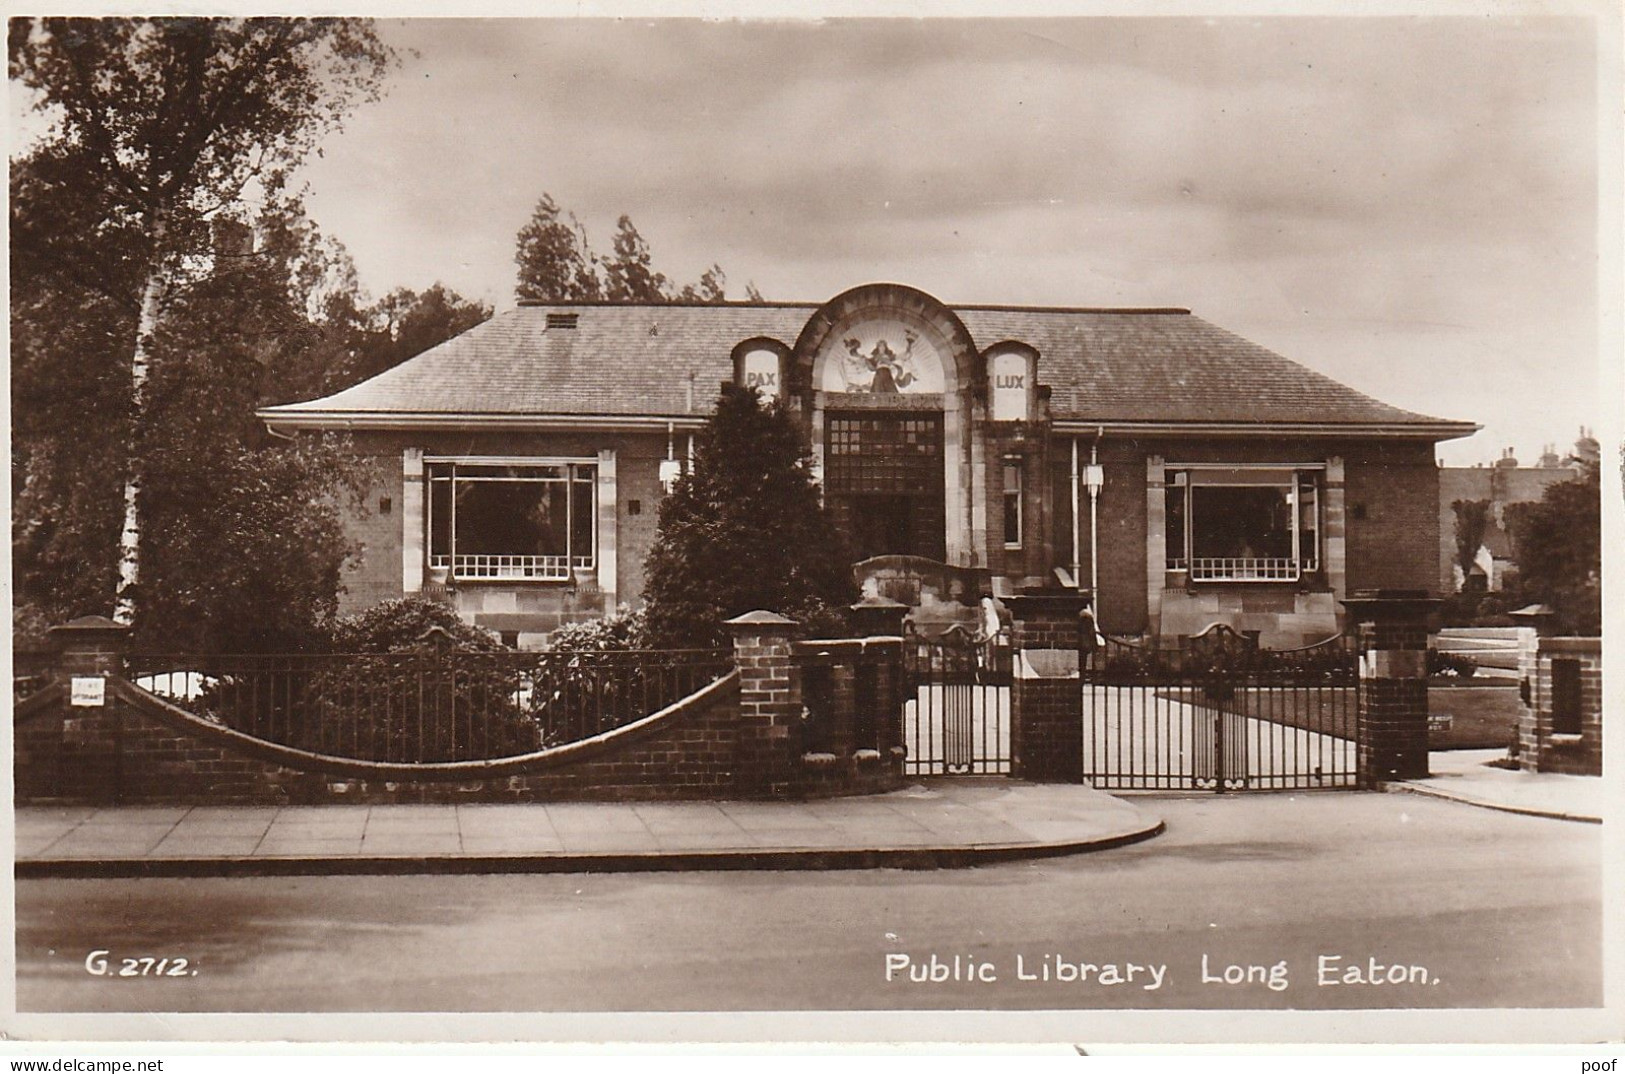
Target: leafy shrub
[[1492, 611], [30, 627], [1451, 665], [827, 621], [1459, 609], [400, 625], [423, 687], [601, 674], [744, 531], [622, 631]]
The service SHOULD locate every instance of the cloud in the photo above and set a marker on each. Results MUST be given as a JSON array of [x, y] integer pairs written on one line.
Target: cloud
[[1369, 177]]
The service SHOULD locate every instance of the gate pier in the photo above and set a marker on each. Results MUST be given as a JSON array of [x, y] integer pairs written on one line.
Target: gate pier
[[1047, 702], [1392, 729]]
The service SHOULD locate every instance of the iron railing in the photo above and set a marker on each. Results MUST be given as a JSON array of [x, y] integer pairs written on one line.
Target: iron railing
[[430, 705], [1219, 712], [30, 672], [957, 709]]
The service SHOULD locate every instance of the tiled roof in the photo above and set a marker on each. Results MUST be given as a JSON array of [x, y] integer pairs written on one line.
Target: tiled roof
[[639, 360]]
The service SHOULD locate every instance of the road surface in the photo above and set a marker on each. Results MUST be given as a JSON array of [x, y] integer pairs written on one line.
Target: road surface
[[1456, 906]]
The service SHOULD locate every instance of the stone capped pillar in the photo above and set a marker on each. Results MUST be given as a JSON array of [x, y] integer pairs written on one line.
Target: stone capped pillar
[[92, 743], [89, 645], [1534, 622], [1392, 728], [1046, 706], [769, 698], [876, 616]]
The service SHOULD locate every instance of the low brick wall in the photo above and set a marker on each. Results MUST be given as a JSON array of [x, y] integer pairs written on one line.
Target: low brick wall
[[744, 736], [1550, 667], [138, 749], [849, 740]]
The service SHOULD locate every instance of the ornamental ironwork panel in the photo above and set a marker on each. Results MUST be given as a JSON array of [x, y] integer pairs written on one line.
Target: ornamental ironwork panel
[[957, 702]]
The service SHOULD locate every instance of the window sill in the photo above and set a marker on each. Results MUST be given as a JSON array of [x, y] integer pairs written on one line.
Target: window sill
[[468, 583], [1557, 738]]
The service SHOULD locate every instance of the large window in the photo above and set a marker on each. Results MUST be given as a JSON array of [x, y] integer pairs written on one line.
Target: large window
[[1243, 524], [503, 521]]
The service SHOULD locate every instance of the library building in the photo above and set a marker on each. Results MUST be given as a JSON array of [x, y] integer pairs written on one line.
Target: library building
[[1183, 475]]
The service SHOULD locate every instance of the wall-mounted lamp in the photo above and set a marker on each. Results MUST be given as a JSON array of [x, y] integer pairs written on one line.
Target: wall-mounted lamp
[[1094, 479], [670, 468]]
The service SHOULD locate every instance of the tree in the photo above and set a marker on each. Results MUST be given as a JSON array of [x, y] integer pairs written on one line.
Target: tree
[[169, 121], [629, 274], [745, 530], [556, 264], [1472, 518], [711, 288], [247, 544], [1558, 545], [554, 261], [401, 325]]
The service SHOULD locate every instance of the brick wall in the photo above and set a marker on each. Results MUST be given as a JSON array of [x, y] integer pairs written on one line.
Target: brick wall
[[136, 751], [1391, 515], [1392, 509], [1541, 748], [744, 737], [1391, 728], [377, 575], [1047, 733], [1046, 702], [798, 741], [1122, 598]]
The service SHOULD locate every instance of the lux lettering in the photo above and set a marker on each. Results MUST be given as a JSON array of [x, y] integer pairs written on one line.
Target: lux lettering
[[1010, 380]]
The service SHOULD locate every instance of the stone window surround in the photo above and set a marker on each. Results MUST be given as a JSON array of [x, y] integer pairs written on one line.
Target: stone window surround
[[1294, 570], [1334, 542], [414, 518], [573, 560]]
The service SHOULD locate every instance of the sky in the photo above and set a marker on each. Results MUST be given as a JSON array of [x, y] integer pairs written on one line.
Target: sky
[[1406, 204]]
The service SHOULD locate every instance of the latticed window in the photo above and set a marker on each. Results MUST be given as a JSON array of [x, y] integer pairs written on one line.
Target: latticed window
[[883, 454], [884, 482], [1243, 524], [512, 521]]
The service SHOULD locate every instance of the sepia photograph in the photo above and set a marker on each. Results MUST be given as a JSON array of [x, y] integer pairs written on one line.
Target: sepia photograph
[[862, 525]]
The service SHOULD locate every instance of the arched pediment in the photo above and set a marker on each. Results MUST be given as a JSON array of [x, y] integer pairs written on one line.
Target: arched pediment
[[883, 338]]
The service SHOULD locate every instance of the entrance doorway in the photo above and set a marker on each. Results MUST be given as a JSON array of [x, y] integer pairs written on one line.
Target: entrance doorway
[[884, 482]]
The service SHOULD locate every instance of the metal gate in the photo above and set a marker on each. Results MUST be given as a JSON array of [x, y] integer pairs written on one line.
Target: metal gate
[[956, 702], [1220, 713]]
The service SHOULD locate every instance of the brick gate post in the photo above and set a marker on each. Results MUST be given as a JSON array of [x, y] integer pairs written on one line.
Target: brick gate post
[[1046, 696], [769, 699], [92, 745], [1392, 729]]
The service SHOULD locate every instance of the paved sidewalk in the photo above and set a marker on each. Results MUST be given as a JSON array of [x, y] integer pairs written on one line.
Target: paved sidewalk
[[949, 823], [1465, 776]]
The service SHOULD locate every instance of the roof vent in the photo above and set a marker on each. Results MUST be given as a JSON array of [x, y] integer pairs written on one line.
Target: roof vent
[[562, 320]]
